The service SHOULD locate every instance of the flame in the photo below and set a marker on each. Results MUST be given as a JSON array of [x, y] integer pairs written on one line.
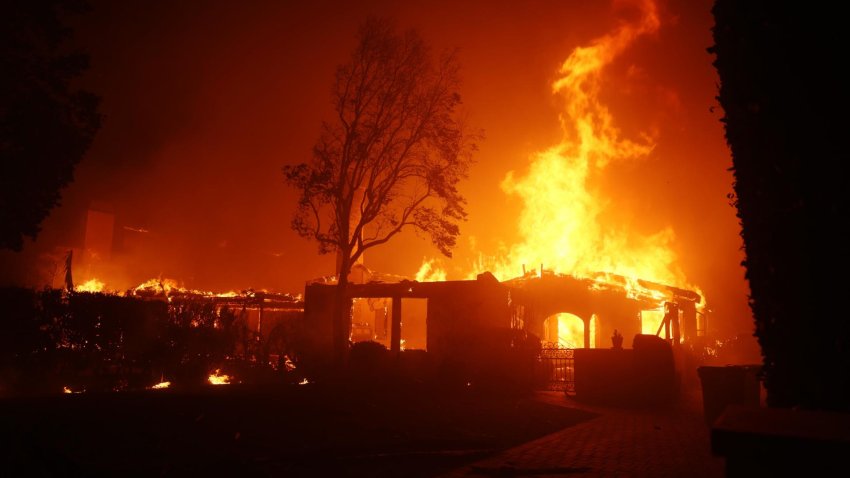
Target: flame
[[304, 382], [157, 286], [430, 272], [218, 378], [561, 224], [288, 364], [571, 330], [91, 285], [651, 320], [169, 287], [161, 385]]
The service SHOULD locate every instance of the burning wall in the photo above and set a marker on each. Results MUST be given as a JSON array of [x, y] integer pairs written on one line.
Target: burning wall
[[461, 315]]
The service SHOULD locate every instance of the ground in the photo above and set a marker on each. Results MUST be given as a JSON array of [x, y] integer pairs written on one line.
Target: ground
[[309, 430]]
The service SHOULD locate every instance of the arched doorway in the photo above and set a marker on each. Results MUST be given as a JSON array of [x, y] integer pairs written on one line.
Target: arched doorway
[[566, 330]]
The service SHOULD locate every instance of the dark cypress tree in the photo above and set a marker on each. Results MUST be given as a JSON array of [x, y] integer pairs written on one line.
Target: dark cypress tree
[[784, 91], [46, 125]]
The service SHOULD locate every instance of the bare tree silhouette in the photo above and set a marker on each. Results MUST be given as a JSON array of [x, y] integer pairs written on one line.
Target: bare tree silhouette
[[390, 159]]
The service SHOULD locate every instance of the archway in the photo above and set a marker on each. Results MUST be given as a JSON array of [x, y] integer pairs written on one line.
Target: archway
[[567, 330]]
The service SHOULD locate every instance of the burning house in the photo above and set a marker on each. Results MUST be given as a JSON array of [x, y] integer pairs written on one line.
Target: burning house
[[268, 318], [478, 324], [571, 312]]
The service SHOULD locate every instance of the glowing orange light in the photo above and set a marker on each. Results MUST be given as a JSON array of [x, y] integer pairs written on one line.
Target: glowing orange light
[[91, 285], [561, 223], [430, 272], [218, 378]]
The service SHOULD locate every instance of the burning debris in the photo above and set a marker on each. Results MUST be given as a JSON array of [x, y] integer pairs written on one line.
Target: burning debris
[[91, 285], [149, 338], [218, 378]]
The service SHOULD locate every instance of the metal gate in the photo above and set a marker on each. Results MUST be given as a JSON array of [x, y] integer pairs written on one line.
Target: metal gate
[[555, 369]]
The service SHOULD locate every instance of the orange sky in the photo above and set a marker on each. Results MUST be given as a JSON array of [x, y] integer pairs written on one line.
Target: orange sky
[[206, 101]]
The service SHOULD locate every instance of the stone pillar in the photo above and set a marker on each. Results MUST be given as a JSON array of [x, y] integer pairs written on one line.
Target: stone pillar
[[586, 323]]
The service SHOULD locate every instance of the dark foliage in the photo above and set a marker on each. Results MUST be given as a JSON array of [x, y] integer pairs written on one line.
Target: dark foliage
[[368, 361], [46, 126], [785, 96]]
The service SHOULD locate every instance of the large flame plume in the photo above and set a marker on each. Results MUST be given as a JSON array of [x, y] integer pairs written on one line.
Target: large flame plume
[[560, 225]]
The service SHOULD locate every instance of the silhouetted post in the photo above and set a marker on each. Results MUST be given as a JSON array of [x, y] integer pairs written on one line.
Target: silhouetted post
[[395, 334], [689, 320], [69, 280], [262, 299], [586, 333], [673, 314], [667, 319]]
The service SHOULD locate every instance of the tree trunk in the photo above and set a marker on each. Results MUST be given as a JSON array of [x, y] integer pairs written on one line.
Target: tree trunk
[[342, 313]]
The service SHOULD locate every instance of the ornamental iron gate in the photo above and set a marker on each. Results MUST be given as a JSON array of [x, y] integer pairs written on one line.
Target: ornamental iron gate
[[555, 368]]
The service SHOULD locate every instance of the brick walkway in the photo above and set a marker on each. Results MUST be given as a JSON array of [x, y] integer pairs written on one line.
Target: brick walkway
[[626, 443]]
